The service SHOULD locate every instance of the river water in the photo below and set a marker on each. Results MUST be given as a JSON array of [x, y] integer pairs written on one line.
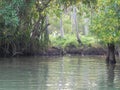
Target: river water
[[58, 73]]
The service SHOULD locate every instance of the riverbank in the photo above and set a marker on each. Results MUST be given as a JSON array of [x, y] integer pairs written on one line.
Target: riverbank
[[54, 51], [57, 51]]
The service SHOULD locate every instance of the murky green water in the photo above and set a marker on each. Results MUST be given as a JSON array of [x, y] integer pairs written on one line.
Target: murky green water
[[58, 73]]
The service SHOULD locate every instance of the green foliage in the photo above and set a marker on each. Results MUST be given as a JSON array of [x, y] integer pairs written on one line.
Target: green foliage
[[89, 40], [8, 13], [70, 40], [105, 24], [63, 42], [23, 23], [66, 3], [18, 18], [88, 2]]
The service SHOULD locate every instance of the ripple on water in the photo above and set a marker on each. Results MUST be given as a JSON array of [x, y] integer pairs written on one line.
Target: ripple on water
[[58, 73]]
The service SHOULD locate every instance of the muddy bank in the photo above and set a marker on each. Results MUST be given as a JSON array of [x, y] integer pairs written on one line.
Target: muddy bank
[[53, 51], [56, 51], [86, 51]]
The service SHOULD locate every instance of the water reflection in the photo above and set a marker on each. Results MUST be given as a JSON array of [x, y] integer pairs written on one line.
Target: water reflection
[[111, 75], [23, 74], [58, 73], [61, 75]]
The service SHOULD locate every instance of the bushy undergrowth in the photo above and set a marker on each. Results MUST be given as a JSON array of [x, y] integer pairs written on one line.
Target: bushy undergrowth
[[89, 40], [71, 40], [63, 42]]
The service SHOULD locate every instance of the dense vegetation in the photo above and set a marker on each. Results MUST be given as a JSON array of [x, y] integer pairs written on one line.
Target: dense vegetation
[[32, 26], [23, 26], [106, 25]]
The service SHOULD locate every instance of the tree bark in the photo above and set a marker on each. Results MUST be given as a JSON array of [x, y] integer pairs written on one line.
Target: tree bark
[[86, 26], [111, 54], [61, 25], [76, 24]]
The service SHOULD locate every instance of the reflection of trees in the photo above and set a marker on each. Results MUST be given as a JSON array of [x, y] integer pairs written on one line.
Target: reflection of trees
[[110, 75], [117, 76], [75, 73], [69, 73], [23, 74], [61, 77]]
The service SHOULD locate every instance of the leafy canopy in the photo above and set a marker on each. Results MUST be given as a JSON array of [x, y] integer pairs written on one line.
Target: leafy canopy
[[9, 11], [105, 24]]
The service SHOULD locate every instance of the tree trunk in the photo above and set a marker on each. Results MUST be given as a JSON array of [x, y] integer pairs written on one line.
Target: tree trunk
[[111, 54], [76, 25], [46, 36], [72, 24], [86, 26], [61, 27]]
